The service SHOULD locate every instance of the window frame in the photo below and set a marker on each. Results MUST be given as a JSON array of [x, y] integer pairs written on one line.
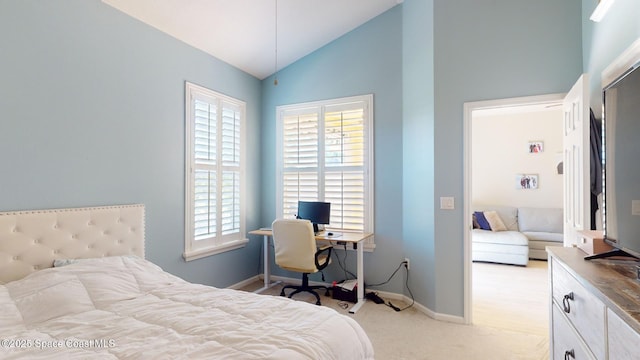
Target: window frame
[[196, 248], [368, 166]]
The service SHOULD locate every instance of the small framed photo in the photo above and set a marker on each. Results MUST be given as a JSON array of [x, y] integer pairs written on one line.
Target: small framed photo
[[526, 181], [535, 147]]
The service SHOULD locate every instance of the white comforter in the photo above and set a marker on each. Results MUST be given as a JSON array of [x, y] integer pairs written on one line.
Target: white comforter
[[128, 308]]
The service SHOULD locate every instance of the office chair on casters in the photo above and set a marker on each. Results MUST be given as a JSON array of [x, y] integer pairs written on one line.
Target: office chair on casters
[[296, 250]]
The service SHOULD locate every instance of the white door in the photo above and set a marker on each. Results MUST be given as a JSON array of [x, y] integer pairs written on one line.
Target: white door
[[576, 161]]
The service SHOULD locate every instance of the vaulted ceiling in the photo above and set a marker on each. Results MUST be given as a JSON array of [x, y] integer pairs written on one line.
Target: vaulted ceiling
[[243, 32]]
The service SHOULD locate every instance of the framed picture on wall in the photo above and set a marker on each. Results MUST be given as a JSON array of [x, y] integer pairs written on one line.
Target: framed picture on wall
[[526, 181], [535, 147]]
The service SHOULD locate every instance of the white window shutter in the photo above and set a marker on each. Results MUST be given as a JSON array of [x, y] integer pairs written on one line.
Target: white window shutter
[[205, 200], [298, 186], [344, 137], [205, 132], [301, 140], [230, 206], [325, 154], [345, 192], [214, 173]]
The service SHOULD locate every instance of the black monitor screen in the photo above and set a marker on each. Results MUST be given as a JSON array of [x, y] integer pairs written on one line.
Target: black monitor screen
[[315, 211]]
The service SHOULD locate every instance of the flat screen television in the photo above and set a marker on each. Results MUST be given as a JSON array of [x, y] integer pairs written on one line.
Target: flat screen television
[[315, 211], [621, 164]]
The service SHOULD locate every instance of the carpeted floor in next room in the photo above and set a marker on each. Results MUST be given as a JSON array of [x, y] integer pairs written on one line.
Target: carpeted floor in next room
[[410, 334]]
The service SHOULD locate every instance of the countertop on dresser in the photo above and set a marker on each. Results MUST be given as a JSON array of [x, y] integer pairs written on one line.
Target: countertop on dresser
[[612, 281]]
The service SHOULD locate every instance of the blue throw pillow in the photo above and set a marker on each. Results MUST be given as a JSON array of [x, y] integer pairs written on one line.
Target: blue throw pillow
[[482, 221], [474, 222]]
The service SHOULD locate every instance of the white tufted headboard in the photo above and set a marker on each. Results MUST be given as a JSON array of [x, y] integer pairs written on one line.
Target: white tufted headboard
[[30, 240]]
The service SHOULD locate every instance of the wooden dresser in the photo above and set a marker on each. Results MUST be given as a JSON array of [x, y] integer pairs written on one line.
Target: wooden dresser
[[595, 307]]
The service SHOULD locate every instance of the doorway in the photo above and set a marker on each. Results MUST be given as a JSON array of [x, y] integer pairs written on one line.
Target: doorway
[[473, 112]]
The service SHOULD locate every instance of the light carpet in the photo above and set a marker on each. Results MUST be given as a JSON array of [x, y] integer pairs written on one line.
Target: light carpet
[[410, 334]]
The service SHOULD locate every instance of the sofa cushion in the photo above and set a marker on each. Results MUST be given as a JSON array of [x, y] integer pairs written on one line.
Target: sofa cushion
[[544, 236], [509, 259], [500, 249], [481, 220], [540, 220], [474, 221], [508, 214], [501, 237], [494, 220], [503, 254], [538, 249]]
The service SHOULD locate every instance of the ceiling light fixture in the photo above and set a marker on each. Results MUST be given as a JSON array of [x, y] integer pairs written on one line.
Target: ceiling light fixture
[[275, 80], [601, 10]]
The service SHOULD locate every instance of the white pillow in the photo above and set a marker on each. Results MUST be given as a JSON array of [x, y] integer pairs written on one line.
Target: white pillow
[[494, 221]]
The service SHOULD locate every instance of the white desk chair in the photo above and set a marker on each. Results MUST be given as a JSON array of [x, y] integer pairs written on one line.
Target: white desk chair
[[296, 250]]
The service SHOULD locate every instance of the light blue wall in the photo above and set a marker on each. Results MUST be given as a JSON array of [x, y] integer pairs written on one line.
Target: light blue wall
[[489, 49], [92, 113], [452, 52], [418, 147], [603, 42], [366, 60]]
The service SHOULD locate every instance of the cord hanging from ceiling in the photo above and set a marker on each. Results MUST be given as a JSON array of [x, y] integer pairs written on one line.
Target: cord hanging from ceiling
[[275, 80]]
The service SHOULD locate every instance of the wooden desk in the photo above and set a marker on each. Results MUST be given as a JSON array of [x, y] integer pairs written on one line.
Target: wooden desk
[[353, 238]]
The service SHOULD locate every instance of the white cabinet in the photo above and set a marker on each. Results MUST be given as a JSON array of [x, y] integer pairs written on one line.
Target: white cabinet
[[581, 309], [624, 342], [595, 307], [567, 344]]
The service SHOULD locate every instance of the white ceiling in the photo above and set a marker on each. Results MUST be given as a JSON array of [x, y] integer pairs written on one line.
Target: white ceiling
[[243, 32]]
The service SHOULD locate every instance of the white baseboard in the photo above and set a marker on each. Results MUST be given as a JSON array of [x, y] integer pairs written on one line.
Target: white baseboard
[[385, 294], [244, 283], [423, 309]]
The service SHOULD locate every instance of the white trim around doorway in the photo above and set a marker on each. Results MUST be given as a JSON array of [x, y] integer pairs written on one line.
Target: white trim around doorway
[[469, 108]]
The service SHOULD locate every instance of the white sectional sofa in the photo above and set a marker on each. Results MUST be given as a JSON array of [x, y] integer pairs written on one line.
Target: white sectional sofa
[[528, 231]]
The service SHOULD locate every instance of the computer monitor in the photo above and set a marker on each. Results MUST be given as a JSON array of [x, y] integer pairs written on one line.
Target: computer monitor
[[315, 211]]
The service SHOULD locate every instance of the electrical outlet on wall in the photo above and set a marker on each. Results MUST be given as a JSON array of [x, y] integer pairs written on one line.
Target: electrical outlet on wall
[[406, 262]]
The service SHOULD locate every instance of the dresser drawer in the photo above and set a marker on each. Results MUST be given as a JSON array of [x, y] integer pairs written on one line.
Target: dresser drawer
[[566, 343], [624, 342], [585, 312]]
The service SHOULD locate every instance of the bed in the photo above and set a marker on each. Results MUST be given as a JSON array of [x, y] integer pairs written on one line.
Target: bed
[[103, 300]]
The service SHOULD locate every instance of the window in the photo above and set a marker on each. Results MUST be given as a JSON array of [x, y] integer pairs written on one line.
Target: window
[[325, 153], [214, 174]]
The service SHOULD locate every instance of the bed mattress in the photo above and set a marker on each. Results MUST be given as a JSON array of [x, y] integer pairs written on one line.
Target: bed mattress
[[128, 308]]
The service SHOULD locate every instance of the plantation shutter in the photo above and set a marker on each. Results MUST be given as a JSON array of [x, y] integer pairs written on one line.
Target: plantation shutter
[[344, 165], [214, 175], [301, 148], [205, 149], [325, 156], [230, 184]]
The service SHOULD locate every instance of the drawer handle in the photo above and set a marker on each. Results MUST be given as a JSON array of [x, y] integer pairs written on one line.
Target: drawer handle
[[565, 302], [569, 354]]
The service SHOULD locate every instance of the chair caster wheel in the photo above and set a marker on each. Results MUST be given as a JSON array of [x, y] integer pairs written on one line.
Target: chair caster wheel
[[318, 303]]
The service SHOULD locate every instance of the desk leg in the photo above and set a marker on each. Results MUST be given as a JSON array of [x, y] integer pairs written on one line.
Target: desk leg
[[266, 261], [360, 273], [267, 268]]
